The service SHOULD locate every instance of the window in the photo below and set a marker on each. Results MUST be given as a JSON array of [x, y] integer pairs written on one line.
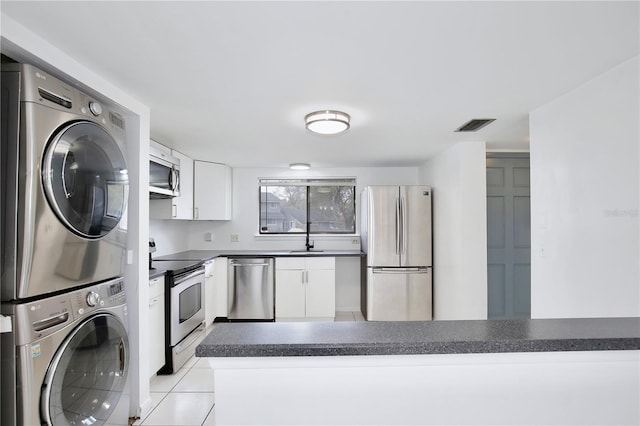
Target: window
[[328, 206]]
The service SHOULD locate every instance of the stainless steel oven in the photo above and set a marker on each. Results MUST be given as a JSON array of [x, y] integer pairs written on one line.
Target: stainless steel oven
[[184, 312], [187, 304]]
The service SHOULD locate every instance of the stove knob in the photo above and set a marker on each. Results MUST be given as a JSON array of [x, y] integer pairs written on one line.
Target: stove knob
[[93, 299], [95, 108]]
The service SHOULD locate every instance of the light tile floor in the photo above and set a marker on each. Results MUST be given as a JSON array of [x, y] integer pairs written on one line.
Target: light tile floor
[[186, 398]]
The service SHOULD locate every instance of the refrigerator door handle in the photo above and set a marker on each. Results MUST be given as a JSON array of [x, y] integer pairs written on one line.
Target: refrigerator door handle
[[398, 226], [415, 270], [403, 220]]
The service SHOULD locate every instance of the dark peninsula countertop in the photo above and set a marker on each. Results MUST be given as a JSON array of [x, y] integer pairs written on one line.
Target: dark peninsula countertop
[[211, 254], [411, 338]]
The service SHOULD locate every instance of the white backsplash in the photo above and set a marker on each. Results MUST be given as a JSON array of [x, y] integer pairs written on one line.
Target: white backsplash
[[171, 236]]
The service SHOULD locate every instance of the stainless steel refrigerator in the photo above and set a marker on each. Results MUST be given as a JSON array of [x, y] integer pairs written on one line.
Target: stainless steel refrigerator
[[396, 236]]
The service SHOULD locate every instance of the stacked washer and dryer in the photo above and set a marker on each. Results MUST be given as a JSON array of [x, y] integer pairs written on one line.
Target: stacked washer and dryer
[[64, 189]]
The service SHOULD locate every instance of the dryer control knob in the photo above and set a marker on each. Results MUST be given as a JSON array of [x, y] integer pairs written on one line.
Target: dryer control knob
[[96, 108], [93, 299]]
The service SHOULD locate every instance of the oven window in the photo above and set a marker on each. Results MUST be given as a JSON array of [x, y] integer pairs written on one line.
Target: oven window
[[190, 302]]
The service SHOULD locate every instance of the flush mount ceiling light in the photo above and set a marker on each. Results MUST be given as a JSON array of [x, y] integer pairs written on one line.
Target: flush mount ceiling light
[[327, 122], [299, 166]]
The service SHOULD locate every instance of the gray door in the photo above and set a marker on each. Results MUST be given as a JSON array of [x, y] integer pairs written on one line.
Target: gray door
[[508, 236], [415, 208]]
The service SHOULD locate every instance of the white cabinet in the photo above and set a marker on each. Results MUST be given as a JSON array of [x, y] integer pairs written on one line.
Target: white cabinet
[[215, 289], [212, 186], [210, 293], [156, 325], [305, 288], [180, 207], [184, 203], [220, 280]]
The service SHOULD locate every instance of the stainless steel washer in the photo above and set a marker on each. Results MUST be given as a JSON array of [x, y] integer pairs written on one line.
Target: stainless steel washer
[[64, 186], [67, 359]]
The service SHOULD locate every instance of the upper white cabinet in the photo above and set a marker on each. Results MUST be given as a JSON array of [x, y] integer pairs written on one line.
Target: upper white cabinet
[[212, 186], [205, 191], [305, 288], [184, 203]]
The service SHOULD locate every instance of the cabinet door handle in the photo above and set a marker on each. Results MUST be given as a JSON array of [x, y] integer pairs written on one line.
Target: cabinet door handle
[[154, 302]]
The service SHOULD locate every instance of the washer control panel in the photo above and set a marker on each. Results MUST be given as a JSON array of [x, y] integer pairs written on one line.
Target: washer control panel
[[105, 295], [43, 317]]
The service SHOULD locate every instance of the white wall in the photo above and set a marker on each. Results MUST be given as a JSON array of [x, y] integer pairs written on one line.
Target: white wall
[[458, 179], [245, 208], [21, 44], [171, 236], [584, 200]]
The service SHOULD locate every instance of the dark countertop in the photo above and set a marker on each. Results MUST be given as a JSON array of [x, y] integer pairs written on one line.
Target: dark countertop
[[161, 267], [157, 271], [428, 337], [211, 254], [204, 255]]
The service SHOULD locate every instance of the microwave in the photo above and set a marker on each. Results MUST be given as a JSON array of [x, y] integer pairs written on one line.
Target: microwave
[[164, 174]]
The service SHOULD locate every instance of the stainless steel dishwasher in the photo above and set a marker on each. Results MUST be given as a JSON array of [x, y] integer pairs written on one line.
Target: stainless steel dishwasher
[[251, 289]]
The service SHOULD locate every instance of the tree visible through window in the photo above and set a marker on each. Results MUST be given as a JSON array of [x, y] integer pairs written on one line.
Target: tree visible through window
[[328, 205]]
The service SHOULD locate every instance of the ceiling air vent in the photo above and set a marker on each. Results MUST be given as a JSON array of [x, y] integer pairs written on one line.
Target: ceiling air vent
[[475, 124]]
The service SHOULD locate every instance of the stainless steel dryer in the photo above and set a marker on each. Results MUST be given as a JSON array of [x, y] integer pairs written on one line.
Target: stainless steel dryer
[[64, 185], [67, 360]]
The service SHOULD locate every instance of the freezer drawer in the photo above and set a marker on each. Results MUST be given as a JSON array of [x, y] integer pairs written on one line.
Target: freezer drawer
[[250, 289], [399, 294]]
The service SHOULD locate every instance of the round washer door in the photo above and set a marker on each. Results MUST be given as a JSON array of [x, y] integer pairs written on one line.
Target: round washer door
[[88, 374], [85, 179]]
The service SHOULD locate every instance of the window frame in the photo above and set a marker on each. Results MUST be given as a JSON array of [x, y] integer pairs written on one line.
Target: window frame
[[307, 183]]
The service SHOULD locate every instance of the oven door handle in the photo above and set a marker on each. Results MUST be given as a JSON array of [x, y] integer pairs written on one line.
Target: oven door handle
[[188, 277], [195, 334]]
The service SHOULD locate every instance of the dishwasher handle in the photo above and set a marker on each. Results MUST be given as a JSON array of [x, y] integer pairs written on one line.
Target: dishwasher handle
[[248, 264]]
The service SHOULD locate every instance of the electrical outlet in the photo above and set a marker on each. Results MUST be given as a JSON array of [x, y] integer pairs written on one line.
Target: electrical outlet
[[235, 238], [355, 241], [208, 236]]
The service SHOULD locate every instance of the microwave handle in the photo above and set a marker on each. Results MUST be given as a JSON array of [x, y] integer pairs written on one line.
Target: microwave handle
[[172, 179], [176, 179]]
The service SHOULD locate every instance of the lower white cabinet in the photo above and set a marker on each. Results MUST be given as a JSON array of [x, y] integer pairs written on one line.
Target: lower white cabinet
[[305, 288], [210, 293], [215, 289], [220, 280], [156, 325]]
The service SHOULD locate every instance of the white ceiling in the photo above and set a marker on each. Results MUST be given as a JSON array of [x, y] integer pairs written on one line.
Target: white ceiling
[[232, 81]]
